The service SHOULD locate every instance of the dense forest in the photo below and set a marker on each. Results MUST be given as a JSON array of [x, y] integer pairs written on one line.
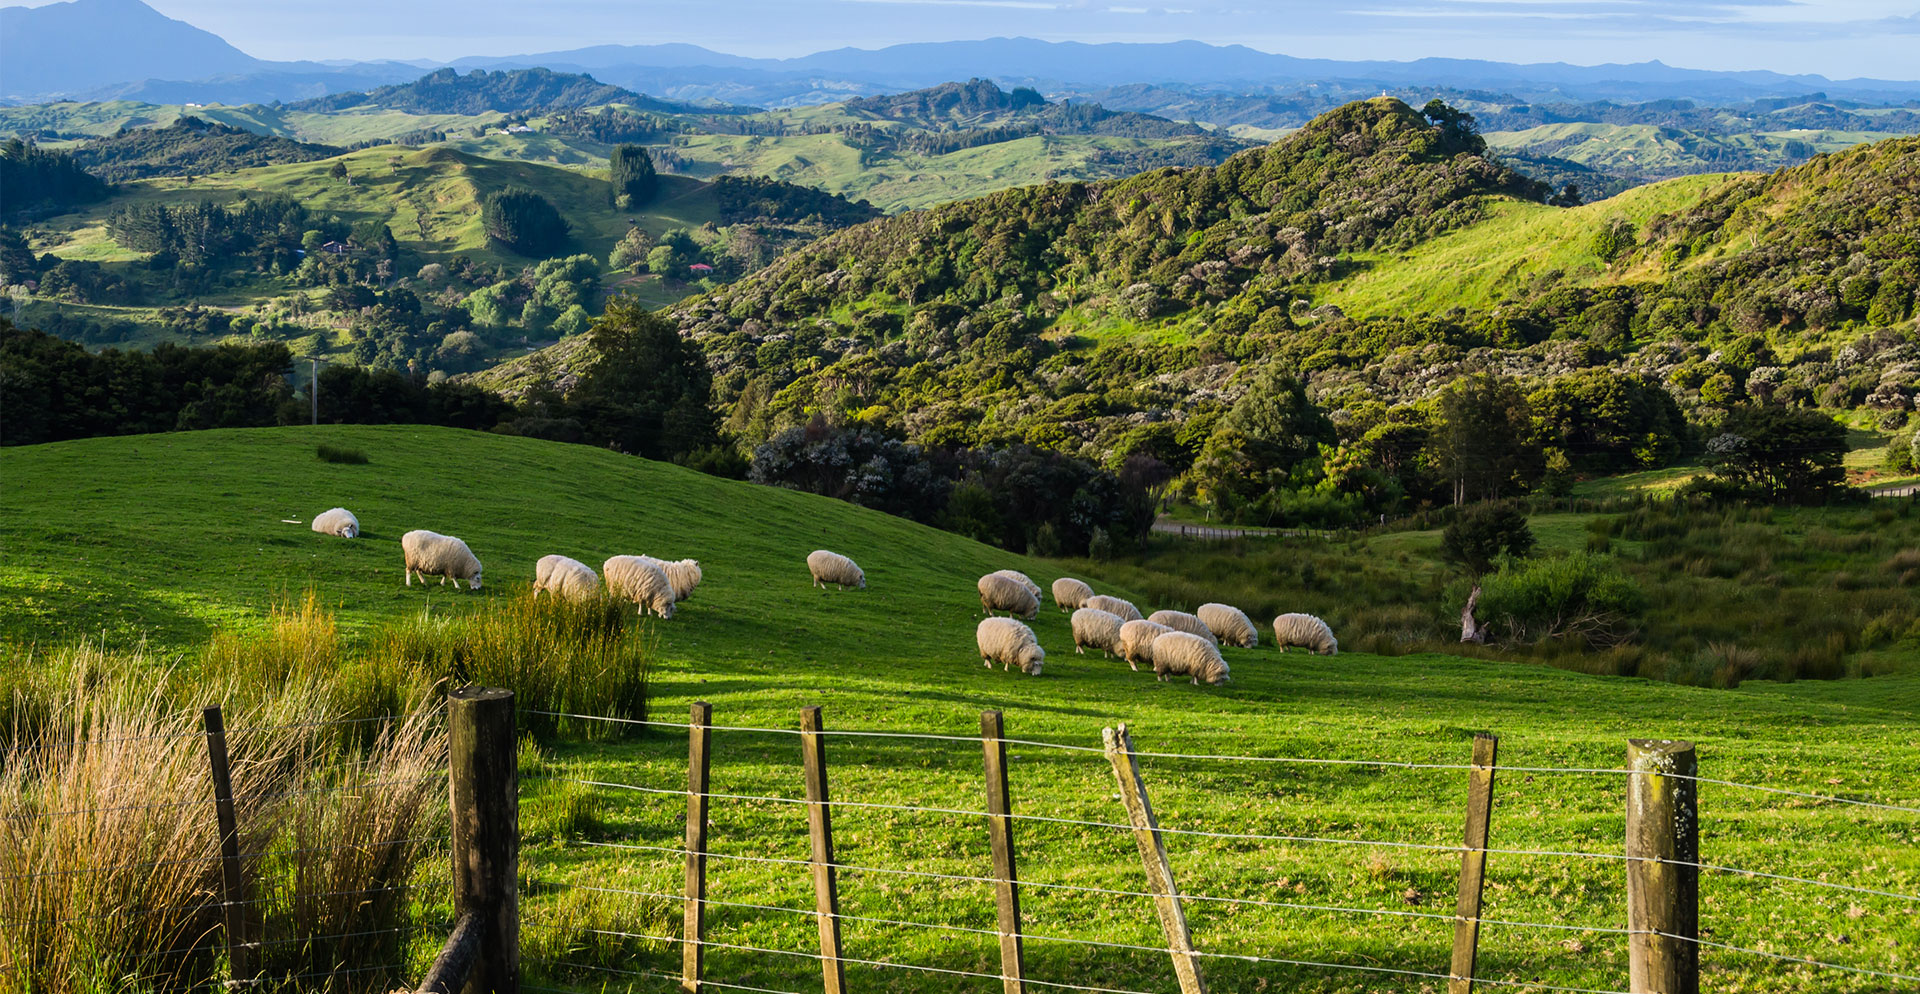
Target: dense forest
[[35, 180], [190, 147]]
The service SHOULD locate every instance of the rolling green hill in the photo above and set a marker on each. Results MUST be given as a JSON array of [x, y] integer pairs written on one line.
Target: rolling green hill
[[177, 536]]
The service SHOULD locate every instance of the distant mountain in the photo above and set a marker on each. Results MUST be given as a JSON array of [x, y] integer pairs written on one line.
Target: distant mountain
[[86, 44], [447, 91]]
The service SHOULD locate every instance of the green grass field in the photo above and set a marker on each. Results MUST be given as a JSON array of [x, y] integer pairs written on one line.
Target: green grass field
[[173, 538]]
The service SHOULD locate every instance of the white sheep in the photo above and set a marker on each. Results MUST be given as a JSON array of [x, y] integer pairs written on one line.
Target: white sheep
[[1010, 643], [631, 578], [1181, 621], [567, 579], [1071, 594], [999, 592], [1304, 630], [1096, 629], [1023, 580], [432, 554], [1182, 654], [684, 574], [1113, 605], [1136, 640], [338, 522], [832, 567], [1230, 625]]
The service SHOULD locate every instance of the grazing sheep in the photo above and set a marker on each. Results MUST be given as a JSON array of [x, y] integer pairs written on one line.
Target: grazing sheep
[[1113, 605], [631, 578], [832, 567], [1181, 621], [338, 522], [432, 554], [1023, 580], [1096, 629], [1011, 644], [567, 579], [684, 574], [1136, 640], [1230, 625], [999, 592], [1071, 594], [1182, 654], [1305, 630]]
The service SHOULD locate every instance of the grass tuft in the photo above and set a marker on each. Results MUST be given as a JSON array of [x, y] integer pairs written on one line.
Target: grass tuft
[[340, 454]]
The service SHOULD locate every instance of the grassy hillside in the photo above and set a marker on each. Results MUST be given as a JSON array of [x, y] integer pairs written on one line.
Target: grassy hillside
[[1653, 150], [176, 536]]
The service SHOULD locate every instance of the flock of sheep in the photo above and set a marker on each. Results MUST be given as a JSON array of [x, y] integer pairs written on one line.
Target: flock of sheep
[[1174, 643]]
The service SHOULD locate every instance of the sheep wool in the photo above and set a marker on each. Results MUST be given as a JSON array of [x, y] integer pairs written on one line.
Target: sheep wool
[[1230, 625], [567, 579], [1304, 630], [1113, 605], [1023, 580], [832, 567], [1181, 654], [1096, 629], [432, 554], [1181, 621], [338, 522], [999, 592], [1071, 594], [632, 578], [1009, 643], [1136, 640], [684, 574]]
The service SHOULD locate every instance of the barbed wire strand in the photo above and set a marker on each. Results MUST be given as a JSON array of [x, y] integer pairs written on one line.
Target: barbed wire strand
[[1786, 958], [214, 857], [257, 981], [207, 905], [672, 977]]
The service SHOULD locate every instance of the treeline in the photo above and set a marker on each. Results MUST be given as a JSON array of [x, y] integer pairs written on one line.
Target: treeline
[[204, 233], [190, 147], [33, 179], [610, 126], [760, 198]]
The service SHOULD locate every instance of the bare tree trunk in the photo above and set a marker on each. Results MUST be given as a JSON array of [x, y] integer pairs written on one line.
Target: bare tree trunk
[[1470, 629]]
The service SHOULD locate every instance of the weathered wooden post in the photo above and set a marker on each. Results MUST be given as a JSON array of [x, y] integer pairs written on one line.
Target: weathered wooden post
[[483, 784], [1153, 853], [1006, 884], [1473, 864], [694, 930], [1663, 887], [826, 885], [233, 875]]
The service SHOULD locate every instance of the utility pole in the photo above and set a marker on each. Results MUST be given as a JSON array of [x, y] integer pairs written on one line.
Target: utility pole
[[313, 387]]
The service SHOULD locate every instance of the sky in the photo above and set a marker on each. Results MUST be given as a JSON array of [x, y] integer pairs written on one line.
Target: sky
[[1839, 39]]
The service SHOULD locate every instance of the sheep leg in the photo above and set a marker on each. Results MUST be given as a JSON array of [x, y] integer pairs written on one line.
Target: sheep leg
[[409, 574], [988, 663]]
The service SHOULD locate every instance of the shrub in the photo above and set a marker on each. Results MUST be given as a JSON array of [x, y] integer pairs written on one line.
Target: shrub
[[1581, 596], [339, 454], [1483, 533]]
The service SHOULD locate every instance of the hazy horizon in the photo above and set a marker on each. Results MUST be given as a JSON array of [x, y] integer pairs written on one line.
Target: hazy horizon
[[1840, 40]]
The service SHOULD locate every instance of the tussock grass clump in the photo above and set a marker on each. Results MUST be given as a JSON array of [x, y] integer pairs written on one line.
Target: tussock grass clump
[[341, 454]]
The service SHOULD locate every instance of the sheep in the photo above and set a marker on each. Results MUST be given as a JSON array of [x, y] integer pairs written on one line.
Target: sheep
[[1230, 625], [632, 578], [1097, 629], [1071, 594], [338, 522], [432, 554], [1181, 621], [832, 567], [1113, 605], [684, 574], [567, 579], [1022, 579], [1304, 630], [1011, 643], [1136, 640], [1182, 654], [999, 592]]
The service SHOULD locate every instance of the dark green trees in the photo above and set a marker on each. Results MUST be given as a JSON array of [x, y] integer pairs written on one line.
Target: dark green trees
[[634, 181], [524, 222], [1780, 453], [1485, 532], [647, 390], [1485, 438], [35, 179]]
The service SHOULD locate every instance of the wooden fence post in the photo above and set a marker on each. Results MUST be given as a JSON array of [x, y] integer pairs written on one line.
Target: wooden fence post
[[483, 782], [693, 950], [1006, 887], [1153, 853], [233, 878], [1473, 864], [1663, 835], [826, 886]]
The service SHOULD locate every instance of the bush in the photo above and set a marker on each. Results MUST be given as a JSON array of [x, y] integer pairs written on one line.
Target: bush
[[338, 454], [1483, 533], [1582, 597]]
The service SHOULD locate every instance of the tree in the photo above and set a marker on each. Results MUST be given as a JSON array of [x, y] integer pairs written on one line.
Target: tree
[[634, 181], [1278, 424], [1483, 533], [523, 221], [647, 389], [1780, 453], [1614, 239], [1484, 441], [339, 170]]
